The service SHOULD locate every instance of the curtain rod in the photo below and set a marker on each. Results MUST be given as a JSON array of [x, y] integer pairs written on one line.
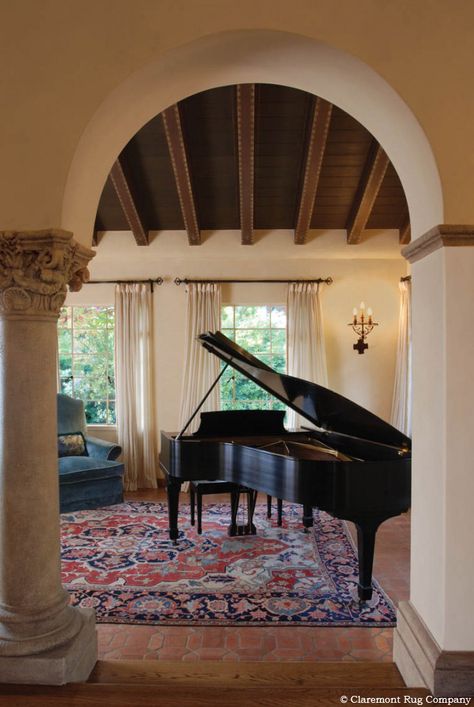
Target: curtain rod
[[156, 281], [187, 281], [407, 278]]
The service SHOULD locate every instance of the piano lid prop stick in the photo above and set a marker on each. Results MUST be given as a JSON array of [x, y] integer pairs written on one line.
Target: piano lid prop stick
[[180, 434]]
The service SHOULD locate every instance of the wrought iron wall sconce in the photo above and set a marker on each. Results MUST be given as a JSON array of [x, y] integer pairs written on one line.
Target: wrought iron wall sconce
[[362, 324]]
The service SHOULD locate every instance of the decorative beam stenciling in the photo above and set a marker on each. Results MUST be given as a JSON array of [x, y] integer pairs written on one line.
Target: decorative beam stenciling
[[128, 203], [179, 160], [246, 147], [312, 170], [371, 180]]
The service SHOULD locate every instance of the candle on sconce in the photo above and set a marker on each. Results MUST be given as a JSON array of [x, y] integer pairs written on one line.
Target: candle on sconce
[[362, 323]]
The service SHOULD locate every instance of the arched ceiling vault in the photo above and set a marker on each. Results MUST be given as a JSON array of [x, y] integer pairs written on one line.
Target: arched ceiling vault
[[252, 157]]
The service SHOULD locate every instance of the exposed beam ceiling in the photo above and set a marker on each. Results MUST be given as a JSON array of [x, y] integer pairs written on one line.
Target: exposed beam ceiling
[[128, 203], [312, 168], [369, 186], [245, 98], [179, 159], [254, 158]]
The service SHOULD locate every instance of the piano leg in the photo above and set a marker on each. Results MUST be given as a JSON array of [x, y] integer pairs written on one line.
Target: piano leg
[[307, 517], [173, 488], [279, 512], [366, 530], [234, 507], [269, 506], [251, 503]]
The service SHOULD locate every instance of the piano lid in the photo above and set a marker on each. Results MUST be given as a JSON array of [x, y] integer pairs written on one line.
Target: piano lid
[[320, 406]]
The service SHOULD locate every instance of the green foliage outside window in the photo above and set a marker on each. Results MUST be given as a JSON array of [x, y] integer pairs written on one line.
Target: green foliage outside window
[[86, 360], [261, 330]]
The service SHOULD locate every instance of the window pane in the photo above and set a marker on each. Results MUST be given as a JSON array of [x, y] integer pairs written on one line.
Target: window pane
[[227, 388], [254, 340], [65, 341], [67, 386], [90, 317], [279, 317], [279, 341], [110, 343], [64, 317], [90, 388], [261, 330], [227, 317], [246, 389], [90, 341], [111, 419], [86, 359], [96, 412], [92, 364], [65, 366], [254, 316]]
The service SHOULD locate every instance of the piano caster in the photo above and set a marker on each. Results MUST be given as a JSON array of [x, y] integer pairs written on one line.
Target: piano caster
[[307, 517], [174, 534]]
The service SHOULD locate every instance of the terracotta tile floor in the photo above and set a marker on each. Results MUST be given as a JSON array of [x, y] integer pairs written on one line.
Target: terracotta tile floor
[[281, 643]]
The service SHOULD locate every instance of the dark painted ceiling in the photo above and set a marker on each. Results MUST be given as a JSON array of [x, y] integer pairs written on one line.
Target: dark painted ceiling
[[268, 154]]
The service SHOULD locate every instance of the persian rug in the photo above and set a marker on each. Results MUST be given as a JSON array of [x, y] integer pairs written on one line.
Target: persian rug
[[120, 562]]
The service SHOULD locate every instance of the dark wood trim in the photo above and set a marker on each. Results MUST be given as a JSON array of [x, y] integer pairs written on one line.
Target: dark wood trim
[[128, 203], [405, 233], [312, 168], [245, 100], [371, 180], [179, 160]]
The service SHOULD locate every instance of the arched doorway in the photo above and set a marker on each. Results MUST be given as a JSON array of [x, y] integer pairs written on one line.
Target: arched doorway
[[252, 57], [242, 57]]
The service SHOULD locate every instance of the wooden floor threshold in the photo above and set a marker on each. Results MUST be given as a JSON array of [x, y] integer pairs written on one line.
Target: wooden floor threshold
[[205, 684]]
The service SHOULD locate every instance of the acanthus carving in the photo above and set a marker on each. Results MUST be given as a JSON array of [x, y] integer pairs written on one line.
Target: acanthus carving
[[35, 269]]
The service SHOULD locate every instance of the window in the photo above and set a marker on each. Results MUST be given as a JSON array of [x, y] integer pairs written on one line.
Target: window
[[261, 330], [86, 360]]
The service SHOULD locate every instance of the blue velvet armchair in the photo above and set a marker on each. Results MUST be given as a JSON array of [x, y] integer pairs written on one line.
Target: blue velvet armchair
[[91, 480]]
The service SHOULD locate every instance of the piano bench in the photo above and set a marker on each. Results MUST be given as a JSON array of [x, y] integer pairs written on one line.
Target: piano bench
[[198, 489]]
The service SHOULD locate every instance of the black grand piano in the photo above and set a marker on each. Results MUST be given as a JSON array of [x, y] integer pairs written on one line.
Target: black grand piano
[[351, 464]]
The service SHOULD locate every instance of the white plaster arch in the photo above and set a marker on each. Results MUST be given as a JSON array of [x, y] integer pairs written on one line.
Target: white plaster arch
[[253, 56]]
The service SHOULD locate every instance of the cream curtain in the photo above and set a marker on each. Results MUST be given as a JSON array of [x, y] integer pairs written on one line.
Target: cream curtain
[[134, 384], [306, 346], [402, 392], [203, 312]]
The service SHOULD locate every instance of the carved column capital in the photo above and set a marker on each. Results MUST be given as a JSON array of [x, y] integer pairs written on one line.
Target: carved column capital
[[36, 267]]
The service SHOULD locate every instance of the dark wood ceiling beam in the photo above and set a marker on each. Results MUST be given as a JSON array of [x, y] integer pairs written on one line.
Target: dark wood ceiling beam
[[128, 203], [370, 183], [312, 168], [405, 232], [246, 148], [179, 160]]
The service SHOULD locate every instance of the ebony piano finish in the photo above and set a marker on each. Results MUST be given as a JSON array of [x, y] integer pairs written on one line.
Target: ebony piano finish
[[363, 476]]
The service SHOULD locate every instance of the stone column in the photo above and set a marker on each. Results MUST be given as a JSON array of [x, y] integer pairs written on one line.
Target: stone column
[[42, 638], [434, 638]]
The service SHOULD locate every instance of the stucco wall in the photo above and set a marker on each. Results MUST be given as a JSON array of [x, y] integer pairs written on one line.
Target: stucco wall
[[61, 60], [367, 379]]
